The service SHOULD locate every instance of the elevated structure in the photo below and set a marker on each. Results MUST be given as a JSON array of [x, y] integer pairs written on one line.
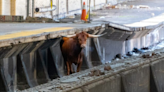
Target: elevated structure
[[30, 52]]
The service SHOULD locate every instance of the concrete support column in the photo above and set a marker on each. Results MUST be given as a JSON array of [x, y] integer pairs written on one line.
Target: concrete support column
[[0, 7], [33, 7], [67, 6], [81, 4], [5, 7], [57, 3], [12, 7], [94, 4], [28, 7]]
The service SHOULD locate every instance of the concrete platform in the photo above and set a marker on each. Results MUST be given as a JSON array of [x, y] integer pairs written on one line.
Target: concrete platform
[[125, 19], [16, 33]]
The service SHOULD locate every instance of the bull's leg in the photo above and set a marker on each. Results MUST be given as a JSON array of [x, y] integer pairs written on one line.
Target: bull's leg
[[79, 66], [72, 71], [80, 60], [71, 68], [68, 68]]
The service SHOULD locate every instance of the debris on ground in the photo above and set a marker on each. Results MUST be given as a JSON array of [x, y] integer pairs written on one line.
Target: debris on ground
[[124, 6], [146, 56], [96, 72], [129, 54], [107, 68], [118, 56], [136, 50], [38, 19], [149, 55], [145, 48], [63, 86], [128, 63]]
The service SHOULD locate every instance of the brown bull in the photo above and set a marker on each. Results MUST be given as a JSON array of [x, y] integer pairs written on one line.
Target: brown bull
[[71, 48]]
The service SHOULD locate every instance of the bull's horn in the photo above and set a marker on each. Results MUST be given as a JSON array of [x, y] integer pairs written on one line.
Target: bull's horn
[[69, 35], [95, 36]]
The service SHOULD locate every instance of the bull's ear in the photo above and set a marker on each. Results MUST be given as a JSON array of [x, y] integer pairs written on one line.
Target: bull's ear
[[65, 38], [88, 35]]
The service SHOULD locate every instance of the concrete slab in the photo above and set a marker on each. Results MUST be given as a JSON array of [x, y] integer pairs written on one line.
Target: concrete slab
[[32, 32], [157, 72], [136, 80], [134, 73], [123, 18]]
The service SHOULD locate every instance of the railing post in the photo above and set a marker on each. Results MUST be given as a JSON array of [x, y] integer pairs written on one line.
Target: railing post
[[33, 2], [27, 8], [51, 2], [67, 4]]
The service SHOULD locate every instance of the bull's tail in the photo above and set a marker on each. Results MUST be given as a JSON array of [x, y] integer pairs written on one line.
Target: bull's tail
[[62, 41], [64, 58]]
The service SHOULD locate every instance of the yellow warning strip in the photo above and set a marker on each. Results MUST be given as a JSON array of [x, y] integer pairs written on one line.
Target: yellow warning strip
[[32, 32]]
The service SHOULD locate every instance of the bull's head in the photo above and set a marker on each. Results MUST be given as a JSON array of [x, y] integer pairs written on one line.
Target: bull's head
[[82, 38]]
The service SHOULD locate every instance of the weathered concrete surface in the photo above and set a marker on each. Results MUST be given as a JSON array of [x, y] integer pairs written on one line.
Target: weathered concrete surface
[[136, 80], [112, 84], [74, 6], [127, 15], [31, 64], [157, 72], [115, 16], [46, 55], [134, 73]]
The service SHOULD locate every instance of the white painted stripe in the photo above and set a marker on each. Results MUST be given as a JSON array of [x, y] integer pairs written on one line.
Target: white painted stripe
[[147, 22]]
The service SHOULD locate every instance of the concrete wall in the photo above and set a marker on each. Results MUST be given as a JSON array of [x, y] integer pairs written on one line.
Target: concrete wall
[[5, 7], [74, 6], [21, 7], [113, 47], [144, 75], [135, 74]]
